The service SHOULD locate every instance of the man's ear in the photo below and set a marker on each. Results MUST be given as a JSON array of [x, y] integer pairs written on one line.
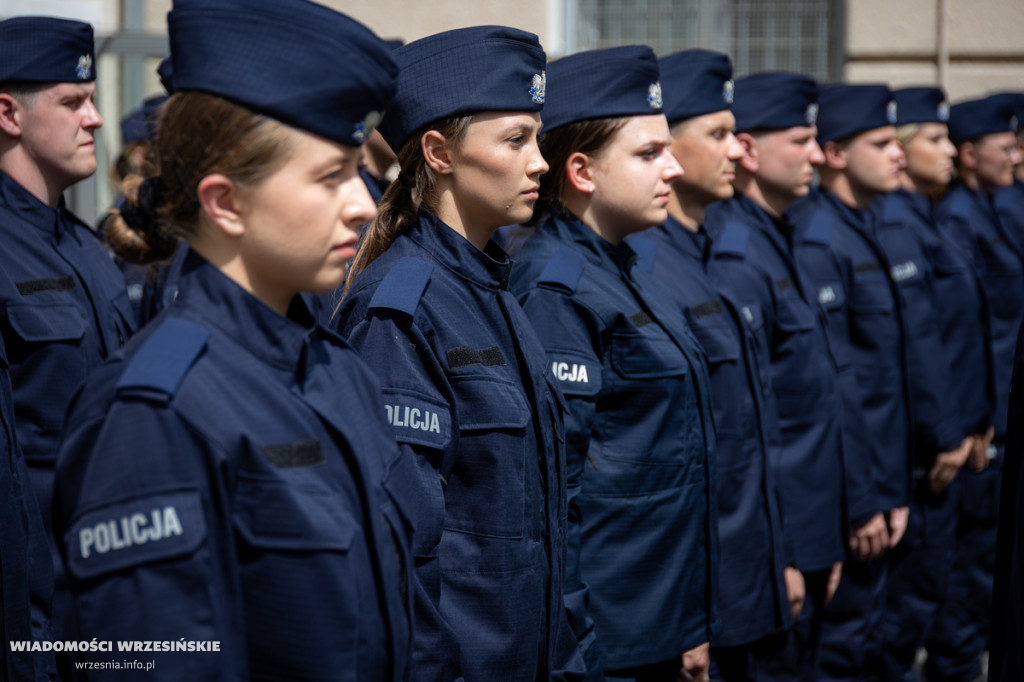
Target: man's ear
[[751, 159], [10, 110], [436, 152], [222, 202], [968, 155], [835, 155]]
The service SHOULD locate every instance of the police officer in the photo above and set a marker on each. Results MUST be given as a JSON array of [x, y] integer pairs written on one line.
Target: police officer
[[752, 260], [467, 388], [63, 304], [1009, 201], [228, 482], [950, 379], [752, 595], [26, 572], [984, 133], [643, 532], [836, 245]]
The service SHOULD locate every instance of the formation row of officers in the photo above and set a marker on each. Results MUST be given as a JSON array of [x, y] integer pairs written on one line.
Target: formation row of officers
[[735, 407]]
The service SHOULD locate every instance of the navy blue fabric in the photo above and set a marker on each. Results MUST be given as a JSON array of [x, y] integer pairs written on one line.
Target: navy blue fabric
[[970, 120], [640, 441], [26, 572], [774, 100], [967, 219], [900, 219], [297, 61], [63, 310], [481, 68], [851, 621], [607, 83], [851, 275], [140, 124], [774, 297], [46, 50], [402, 289], [696, 82], [176, 522], [921, 105], [845, 110], [1009, 205], [166, 73], [752, 599], [469, 396]]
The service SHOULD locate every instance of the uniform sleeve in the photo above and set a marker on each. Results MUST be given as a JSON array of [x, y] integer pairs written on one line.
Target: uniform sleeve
[[413, 383], [143, 516], [571, 335]]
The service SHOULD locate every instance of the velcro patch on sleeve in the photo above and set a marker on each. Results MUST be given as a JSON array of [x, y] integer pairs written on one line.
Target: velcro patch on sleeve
[[135, 532]]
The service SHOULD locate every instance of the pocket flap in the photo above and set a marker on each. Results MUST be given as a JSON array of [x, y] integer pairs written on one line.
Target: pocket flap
[[489, 403], [56, 322], [274, 515]]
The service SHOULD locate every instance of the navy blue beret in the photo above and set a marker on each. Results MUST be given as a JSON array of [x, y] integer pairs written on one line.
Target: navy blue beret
[[970, 120], [294, 60], [608, 83], [921, 105], [696, 82], [140, 124], [481, 68], [166, 73], [1015, 102], [845, 110], [46, 50], [773, 100]]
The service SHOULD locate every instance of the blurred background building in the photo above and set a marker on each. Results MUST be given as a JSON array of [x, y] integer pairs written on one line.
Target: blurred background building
[[970, 47]]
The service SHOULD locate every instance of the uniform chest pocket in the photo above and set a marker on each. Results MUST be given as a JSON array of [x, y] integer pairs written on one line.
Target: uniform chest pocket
[[47, 323], [719, 340], [486, 493], [297, 546], [639, 354], [831, 296], [871, 294], [793, 315]]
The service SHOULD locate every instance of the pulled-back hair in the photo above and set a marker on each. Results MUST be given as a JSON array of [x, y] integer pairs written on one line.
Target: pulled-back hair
[[198, 134], [415, 186], [585, 137], [906, 132]]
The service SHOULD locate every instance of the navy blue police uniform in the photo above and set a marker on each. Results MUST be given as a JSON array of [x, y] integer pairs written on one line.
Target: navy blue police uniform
[[228, 481], [640, 441], [837, 246], [26, 572], [968, 218], [752, 599], [469, 397], [227, 474], [949, 382], [63, 305], [1009, 201], [752, 261]]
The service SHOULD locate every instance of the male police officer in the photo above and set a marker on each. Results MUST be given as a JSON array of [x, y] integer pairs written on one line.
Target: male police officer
[[984, 132], [752, 596], [752, 260], [63, 304], [837, 247]]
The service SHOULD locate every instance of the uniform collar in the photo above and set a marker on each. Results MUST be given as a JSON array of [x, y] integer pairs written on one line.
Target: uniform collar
[[488, 268], [855, 217], [34, 212], [919, 203], [274, 338], [598, 250], [696, 245]]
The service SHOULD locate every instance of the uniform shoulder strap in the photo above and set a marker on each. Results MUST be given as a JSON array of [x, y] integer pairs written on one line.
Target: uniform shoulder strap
[[564, 269], [646, 252], [733, 239], [819, 231], [165, 358], [403, 286]]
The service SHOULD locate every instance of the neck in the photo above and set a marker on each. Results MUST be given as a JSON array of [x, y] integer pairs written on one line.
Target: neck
[[918, 186], [27, 174], [458, 219], [773, 203], [224, 255], [846, 191], [580, 205], [970, 178], [686, 209]]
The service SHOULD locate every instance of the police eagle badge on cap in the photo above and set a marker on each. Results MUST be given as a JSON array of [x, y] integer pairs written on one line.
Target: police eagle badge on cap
[[1014, 122], [728, 91], [654, 96], [540, 81], [365, 128], [943, 111], [811, 114], [890, 112], [84, 68]]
